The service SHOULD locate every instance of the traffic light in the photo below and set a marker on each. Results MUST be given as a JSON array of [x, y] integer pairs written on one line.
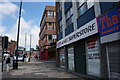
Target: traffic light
[[5, 42]]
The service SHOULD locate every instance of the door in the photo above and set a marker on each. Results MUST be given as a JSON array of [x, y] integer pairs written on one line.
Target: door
[[80, 58]]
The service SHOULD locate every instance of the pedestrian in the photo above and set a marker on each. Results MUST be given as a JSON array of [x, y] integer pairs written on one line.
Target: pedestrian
[[8, 62]]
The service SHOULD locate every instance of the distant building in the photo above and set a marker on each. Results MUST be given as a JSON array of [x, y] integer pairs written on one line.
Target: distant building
[[47, 35], [88, 37], [12, 46], [0, 43]]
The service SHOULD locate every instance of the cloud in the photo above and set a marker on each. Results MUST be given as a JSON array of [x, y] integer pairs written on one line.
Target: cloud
[[8, 9], [28, 28], [2, 30]]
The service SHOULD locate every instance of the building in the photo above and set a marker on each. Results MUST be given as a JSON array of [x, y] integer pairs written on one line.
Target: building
[[0, 43], [88, 37], [47, 35], [12, 46]]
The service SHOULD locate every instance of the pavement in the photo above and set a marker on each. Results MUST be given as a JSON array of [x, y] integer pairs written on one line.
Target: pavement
[[37, 69]]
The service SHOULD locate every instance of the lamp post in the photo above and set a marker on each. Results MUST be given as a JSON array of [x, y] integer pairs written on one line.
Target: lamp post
[[16, 54], [30, 48]]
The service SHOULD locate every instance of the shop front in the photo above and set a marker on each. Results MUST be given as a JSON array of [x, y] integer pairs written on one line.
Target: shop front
[[110, 42], [82, 50], [62, 58], [93, 56]]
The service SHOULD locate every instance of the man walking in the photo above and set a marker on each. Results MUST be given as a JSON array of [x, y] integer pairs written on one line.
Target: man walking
[[8, 62]]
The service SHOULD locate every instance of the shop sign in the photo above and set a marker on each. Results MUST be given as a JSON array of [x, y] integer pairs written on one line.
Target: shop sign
[[109, 22], [84, 31], [93, 58]]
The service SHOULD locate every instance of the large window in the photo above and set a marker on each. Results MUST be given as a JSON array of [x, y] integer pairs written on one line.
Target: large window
[[60, 26], [69, 17], [50, 14], [50, 27], [84, 5], [49, 37]]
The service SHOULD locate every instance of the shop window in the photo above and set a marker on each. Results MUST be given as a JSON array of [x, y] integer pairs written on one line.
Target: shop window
[[62, 57]]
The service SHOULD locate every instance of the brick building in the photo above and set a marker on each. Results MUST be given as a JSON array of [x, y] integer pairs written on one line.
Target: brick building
[[0, 43], [12, 46], [47, 35]]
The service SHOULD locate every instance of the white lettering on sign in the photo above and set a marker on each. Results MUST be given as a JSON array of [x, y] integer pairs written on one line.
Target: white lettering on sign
[[84, 31]]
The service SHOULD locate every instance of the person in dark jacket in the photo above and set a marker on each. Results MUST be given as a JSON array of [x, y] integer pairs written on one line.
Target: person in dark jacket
[[8, 62]]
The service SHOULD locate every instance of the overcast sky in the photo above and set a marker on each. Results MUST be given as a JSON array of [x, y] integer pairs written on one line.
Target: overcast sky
[[30, 20]]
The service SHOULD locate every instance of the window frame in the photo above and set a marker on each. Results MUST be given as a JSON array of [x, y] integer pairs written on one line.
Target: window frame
[[87, 6]]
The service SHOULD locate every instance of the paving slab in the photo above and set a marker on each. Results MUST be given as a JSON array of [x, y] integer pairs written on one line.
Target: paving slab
[[38, 69]]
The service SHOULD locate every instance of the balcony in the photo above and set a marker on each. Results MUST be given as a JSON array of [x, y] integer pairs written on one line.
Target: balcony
[[47, 32]]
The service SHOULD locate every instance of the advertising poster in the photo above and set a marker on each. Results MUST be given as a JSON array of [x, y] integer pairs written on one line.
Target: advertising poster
[[62, 58], [93, 58], [71, 58]]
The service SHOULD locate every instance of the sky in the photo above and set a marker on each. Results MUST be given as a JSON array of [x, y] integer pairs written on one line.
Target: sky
[[30, 19]]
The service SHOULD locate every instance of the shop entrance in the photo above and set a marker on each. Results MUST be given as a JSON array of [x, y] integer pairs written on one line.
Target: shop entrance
[[80, 58]]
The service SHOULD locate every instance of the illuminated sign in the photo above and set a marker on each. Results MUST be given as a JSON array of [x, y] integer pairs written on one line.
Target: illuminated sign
[[109, 22]]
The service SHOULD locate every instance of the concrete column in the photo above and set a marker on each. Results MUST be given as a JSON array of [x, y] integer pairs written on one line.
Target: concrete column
[[75, 14], [63, 19], [97, 8]]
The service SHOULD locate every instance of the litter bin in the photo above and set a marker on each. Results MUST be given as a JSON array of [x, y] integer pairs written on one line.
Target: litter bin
[[15, 64]]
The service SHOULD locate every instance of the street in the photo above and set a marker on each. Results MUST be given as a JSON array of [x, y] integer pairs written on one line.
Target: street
[[38, 69]]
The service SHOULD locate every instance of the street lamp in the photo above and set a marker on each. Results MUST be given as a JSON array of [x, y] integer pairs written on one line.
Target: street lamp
[[30, 48], [16, 62]]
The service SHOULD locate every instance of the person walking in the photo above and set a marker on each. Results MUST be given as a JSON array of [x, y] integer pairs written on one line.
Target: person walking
[[8, 62]]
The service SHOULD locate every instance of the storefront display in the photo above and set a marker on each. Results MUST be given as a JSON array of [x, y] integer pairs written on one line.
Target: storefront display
[[62, 57], [71, 58], [93, 57]]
